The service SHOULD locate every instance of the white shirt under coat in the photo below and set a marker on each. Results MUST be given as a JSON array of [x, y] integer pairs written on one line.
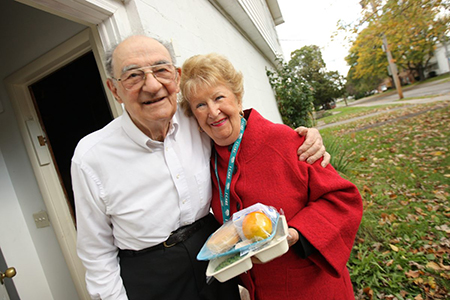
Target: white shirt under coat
[[131, 192]]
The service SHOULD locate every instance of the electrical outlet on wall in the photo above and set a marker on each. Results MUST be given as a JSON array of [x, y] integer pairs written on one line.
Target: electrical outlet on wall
[[41, 219]]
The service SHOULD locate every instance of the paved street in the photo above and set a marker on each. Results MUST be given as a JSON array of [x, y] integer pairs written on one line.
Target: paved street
[[425, 93], [436, 91]]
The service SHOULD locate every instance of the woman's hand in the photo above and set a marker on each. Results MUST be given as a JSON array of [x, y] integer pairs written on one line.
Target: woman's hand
[[292, 237], [312, 148]]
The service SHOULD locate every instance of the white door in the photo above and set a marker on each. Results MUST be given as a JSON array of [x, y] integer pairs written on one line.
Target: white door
[[16, 244]]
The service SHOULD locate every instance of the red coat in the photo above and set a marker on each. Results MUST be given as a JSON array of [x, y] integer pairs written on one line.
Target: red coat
[[325, 208]]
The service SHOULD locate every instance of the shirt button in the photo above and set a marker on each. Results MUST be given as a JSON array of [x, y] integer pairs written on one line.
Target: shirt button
[[184, 201], [178, 176], [167, 148]]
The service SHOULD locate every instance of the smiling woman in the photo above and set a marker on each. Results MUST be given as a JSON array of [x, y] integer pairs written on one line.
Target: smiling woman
[[217, 111], [254, 161]]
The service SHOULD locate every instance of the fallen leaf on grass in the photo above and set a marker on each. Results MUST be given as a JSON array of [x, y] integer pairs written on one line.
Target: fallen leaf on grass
[[387, 217], [431, 283], [412, 274], [418, 281], [403, 293], [420, 211], [369, 292], [367, 189], [395, 248], [437, 153], [441, 197], [437, 267], [444, 228]]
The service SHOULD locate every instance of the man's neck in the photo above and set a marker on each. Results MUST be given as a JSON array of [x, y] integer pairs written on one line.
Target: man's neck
[[159, 133]]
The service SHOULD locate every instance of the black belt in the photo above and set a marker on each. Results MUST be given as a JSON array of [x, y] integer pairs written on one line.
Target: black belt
[[177, 236]]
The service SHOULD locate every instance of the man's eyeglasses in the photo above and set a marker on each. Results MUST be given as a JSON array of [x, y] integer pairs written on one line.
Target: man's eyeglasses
[[134, 79]]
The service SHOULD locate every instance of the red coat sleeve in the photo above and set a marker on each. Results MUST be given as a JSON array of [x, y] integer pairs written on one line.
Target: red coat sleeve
[[331, 217]]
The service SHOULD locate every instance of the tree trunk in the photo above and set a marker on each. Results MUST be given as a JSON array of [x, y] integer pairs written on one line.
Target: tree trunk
[[421, 72]]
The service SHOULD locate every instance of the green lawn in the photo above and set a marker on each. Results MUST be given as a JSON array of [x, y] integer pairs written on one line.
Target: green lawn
[[402, 169]]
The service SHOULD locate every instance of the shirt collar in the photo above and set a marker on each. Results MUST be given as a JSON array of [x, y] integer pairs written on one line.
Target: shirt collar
[[140, 138]]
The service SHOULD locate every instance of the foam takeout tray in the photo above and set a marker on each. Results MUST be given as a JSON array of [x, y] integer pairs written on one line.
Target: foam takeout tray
[[274, 248]]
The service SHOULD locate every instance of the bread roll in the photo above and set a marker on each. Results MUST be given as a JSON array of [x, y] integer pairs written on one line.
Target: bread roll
[[223, 239]]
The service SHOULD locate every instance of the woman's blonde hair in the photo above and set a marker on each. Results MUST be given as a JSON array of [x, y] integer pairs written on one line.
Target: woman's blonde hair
[[208, 70]]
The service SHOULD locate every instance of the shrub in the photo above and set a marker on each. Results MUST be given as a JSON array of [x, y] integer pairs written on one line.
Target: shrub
[[293, 95]]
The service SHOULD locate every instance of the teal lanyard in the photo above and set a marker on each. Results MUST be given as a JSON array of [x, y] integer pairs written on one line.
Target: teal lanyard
[[225, 198]]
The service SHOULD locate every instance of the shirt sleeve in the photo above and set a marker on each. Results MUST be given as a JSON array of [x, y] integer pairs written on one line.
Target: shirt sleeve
[[303, 247], [95, 241], [331, 218]]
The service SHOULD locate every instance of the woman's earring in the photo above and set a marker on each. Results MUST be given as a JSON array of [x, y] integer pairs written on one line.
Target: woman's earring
[[241, 114], [200, 129]]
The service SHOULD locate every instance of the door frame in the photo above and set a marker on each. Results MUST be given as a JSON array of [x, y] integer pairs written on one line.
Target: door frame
[[44, 169]]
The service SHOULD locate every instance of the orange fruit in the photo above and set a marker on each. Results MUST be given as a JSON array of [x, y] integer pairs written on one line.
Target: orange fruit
[[256, 225]]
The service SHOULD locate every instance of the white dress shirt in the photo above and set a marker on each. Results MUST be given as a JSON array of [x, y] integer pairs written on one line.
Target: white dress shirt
[[131, 192]]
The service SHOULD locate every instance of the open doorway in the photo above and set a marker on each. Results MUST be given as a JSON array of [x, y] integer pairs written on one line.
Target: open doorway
[[70, 104]]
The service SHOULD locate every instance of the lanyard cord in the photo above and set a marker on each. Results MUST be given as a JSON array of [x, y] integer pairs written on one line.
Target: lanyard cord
[[225, 198]]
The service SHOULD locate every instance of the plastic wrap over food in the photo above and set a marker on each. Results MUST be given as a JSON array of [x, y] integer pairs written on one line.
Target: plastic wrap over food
[[242, 217], [224, 238], [248, 230]]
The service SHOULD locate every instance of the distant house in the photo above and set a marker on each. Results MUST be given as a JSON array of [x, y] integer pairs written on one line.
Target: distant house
[[440, 62], [53, 93]]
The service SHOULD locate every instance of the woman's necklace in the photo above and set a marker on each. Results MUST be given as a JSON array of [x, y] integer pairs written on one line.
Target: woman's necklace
[[225, 198]]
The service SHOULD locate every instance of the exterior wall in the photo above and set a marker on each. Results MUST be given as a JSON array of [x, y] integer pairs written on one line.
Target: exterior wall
[[442, 56], [440, 62], [196, 27], [25, 31]]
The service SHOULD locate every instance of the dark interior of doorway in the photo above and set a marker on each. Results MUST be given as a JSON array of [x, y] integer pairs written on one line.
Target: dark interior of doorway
[[71, 103]]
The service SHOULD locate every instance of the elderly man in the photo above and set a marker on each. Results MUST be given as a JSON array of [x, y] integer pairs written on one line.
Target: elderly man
[[142, 187]]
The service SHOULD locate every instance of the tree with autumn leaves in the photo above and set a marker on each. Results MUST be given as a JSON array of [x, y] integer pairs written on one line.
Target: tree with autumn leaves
[[413, 28]]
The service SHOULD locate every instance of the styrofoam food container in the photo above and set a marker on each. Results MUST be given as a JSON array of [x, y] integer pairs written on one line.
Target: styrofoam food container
[[238, 267], [276, 247]]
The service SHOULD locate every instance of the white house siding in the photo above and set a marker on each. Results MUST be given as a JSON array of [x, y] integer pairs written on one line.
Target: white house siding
[[442, 55], [197, 27], [440, 61]]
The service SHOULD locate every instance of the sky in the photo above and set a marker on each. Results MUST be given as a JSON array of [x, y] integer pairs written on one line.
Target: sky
[[309, 22]]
